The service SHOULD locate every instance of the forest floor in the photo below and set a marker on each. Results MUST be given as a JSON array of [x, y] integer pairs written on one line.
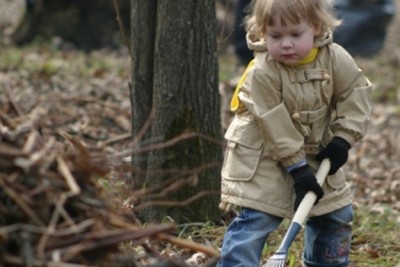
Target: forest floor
[[87, 95]]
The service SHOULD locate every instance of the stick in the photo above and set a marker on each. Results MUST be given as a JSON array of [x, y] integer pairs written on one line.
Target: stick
[[21, 203], [173, 240]]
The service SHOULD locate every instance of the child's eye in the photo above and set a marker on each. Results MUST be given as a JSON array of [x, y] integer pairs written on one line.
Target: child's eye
[[274, 36], [296, 34]]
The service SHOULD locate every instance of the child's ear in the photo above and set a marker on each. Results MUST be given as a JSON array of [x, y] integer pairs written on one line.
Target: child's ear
[[317, 30]]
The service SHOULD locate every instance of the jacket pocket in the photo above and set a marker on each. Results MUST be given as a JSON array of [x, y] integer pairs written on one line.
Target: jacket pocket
[[244, 150]]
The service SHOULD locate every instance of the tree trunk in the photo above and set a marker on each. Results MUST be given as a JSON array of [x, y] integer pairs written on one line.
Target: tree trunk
[[175, 73], [143, 34]]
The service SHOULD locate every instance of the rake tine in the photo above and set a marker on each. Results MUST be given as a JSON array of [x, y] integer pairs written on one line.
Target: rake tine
[[275, 263], [279, 258]]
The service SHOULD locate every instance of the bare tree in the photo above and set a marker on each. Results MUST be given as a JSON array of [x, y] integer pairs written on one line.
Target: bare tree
[[175, 107]]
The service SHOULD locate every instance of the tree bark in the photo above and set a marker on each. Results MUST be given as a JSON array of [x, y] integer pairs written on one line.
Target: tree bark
[[143, 34], [180, 84]]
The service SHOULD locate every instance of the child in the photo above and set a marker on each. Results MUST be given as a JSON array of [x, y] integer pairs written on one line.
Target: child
[[301, 99]]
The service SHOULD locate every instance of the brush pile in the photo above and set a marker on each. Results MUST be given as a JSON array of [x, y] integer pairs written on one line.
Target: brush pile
[[52, 213], [50, 209]]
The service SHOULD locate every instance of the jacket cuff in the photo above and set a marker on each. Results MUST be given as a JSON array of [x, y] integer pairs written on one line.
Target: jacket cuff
[[348, 137], [293, 159], [297, 165]]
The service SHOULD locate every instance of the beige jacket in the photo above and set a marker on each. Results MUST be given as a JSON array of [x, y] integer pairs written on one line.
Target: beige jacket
[[289, 113]]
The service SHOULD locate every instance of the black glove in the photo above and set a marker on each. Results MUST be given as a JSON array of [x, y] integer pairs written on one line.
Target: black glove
[[305, 181], [337, 151]]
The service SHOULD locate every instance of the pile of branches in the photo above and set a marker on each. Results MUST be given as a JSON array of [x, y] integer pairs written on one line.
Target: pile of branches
[[52, 213]]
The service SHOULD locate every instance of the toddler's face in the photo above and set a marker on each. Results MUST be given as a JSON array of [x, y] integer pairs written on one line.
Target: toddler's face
[[290, 43]]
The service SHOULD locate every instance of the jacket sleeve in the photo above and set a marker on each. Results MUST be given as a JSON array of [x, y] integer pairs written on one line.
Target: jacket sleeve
[[351, 98], [263, 97]]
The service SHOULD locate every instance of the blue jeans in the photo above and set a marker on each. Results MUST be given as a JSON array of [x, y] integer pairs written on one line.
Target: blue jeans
[[326, 242]]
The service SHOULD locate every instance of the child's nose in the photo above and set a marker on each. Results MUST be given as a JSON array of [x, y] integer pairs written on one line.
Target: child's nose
[[286, 43]]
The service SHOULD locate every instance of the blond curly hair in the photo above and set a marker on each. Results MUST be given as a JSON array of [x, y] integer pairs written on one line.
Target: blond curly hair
[[319, 13]]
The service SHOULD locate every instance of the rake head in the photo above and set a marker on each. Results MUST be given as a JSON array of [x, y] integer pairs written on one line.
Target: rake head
[[276, 260]]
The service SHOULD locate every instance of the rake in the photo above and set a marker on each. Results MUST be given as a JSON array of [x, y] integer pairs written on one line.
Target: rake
[[279, 258]]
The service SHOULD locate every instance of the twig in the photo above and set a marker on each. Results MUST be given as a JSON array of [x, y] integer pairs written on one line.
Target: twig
[[42, 230], [166, 144], [9, 151], [173, 240], [121, 26], [117, 138], [189, 245], [170, 185], [30, 142], [4, 118], [14, 104], [51, 227], [112, 238], [175, 203], [66, 173], [145, 127], [50, 158], [14, 196], [25, 164], [16, 261], [59, 210]]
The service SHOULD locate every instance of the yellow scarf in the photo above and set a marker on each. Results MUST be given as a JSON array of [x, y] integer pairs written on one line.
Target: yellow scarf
[[235, 102], [309, 58], [235, 99]]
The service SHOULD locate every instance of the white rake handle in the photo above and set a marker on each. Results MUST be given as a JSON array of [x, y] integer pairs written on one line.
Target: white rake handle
[[309, 199], [278, 259]]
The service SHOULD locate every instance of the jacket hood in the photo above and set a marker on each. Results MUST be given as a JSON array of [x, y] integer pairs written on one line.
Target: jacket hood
[[259, 45]]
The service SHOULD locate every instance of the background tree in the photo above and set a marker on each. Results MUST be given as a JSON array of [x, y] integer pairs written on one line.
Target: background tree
[[88, 25], [175, 76]]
